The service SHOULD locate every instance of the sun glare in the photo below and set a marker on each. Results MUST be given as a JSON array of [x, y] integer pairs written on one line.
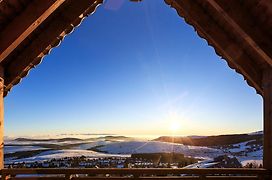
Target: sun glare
[[174, 126]]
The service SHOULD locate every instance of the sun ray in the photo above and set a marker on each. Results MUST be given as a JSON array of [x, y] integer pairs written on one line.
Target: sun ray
[[174, 126]]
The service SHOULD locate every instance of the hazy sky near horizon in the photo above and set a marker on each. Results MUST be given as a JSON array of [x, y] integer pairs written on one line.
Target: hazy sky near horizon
[[133, 69]]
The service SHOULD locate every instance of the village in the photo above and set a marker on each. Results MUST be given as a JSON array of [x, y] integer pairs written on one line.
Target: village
[[223, 161], [85, 162]]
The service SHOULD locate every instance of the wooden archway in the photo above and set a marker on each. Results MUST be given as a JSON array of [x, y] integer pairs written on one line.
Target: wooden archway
[[239, 31]]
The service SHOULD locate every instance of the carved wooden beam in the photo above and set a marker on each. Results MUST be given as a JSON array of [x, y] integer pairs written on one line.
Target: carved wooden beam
[[50, 36], [208, 28], [1, 117], [230, 13], [267, 104], [24, 24]]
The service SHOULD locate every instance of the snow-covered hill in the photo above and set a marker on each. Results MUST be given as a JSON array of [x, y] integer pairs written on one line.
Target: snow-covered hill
[[245, 151], [131, 147], [58, 154]]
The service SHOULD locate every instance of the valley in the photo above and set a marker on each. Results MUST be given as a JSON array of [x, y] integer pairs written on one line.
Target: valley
[[246, 148]]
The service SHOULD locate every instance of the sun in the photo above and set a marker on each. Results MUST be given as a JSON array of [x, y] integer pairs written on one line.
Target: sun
[[174, 126]]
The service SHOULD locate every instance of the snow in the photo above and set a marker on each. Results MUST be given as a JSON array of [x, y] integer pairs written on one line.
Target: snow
[[256, 156], [58, 154], [130, 147], [126, 147], [91, 145], [258, 153], [202, 164], [241, 147], [253, 161]]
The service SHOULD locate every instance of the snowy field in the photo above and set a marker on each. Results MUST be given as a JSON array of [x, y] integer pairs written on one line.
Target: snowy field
[[122, 147], [131, 147], [250, 157], [58, 154], [92, 144]]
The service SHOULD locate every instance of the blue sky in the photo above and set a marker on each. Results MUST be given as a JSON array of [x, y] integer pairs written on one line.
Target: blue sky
[[134, 69]]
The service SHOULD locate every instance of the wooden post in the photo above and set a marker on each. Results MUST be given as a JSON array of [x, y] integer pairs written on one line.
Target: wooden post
[[267, 99], [1, 117]]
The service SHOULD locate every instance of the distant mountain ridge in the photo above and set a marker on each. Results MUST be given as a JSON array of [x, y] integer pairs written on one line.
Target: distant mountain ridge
[[72, 139], [44, 140], [219, 140]]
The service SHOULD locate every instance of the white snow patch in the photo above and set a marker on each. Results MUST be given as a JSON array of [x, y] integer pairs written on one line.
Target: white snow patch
[[254, 161], [240, 147], [131, 147], [201, 164], [58, 154], [91, 145]]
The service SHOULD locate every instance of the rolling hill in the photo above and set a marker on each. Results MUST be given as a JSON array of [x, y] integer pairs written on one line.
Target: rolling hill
[[220, 140]]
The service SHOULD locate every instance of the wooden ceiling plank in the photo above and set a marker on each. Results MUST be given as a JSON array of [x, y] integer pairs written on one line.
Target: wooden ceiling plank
[[43, 41], [22, 26], [239, 12], [195, 15], [239, 31]]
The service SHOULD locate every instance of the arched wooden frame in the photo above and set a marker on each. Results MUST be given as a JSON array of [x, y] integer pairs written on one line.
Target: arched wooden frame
[[239, 31]]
